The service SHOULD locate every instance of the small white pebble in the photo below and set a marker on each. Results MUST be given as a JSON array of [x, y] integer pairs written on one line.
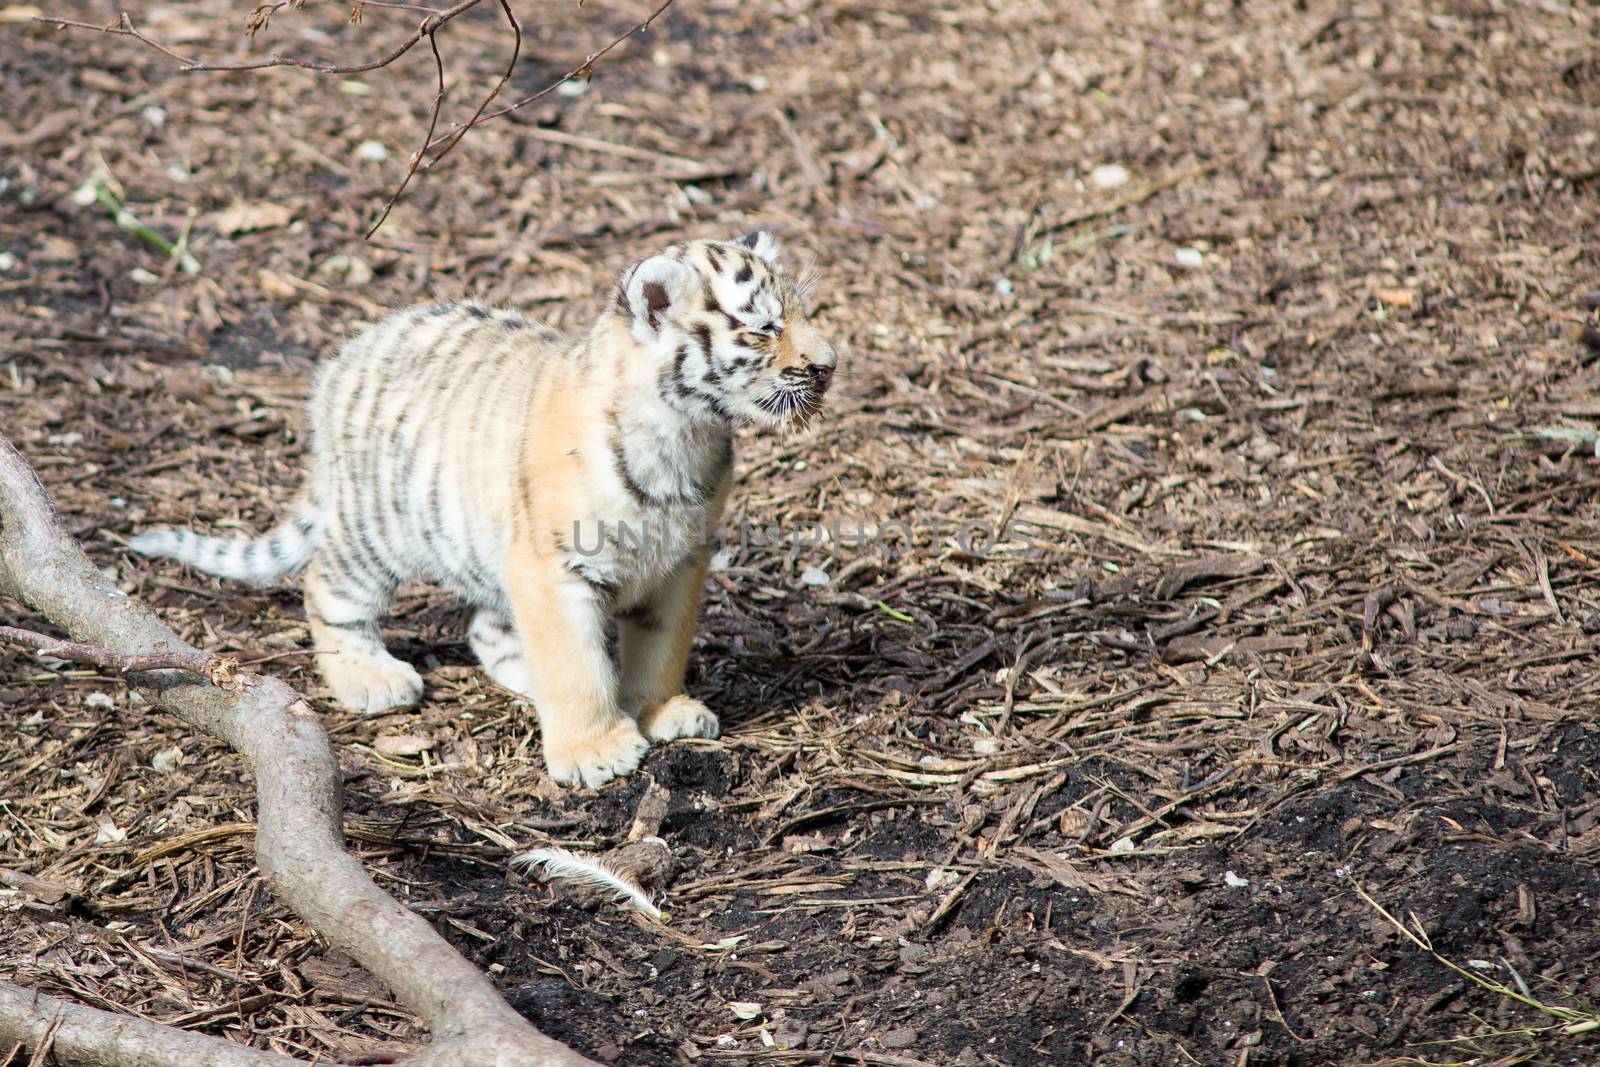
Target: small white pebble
[[1004, 286], [66, 439], [372, 151], [8, 262], [354, 269], [155, 116], [98, 700], [1108, 176], [110, 834], [576, 87], [140, 276], [1192, 258], [744, 1009], [814, 576], [1234, 881], [168, 759], [720, 561], [986, 746]]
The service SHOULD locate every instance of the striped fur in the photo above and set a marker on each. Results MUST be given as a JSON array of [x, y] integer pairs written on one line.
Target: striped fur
[[550, 480], [283, 550]]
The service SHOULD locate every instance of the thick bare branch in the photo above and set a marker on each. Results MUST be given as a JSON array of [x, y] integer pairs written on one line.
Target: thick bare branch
[[298, 837]]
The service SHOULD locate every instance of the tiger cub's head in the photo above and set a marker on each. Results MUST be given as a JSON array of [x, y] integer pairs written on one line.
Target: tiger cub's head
[[727, 332]]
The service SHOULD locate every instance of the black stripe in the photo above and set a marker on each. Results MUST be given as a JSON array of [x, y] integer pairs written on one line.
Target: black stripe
[[641, 615], [370, 554], [387, 524], [709, 400], [603, 587], [346, 579], [745, 272], [525, 494], [490, 621], [353, 627], [719, 470], [477, 311], [403, 456], [714, 258], [619, 459]]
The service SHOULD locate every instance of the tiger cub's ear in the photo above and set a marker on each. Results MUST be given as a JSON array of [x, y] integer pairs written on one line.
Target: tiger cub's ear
[[650, 290], [763, 244]]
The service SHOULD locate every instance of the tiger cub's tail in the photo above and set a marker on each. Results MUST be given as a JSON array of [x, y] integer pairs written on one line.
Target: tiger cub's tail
[[282, 550]]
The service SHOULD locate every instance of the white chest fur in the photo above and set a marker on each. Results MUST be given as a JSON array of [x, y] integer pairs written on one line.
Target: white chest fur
[[664, 484]]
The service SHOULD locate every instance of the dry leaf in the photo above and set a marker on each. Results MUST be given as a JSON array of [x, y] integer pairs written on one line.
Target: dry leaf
[[402, 744], [247, 218]]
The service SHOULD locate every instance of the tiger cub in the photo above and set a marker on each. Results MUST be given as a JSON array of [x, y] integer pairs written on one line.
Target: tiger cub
[[549, 480]]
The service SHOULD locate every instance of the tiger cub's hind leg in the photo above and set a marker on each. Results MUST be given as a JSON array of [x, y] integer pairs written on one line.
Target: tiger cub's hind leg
[[343, 610], [494, 640]]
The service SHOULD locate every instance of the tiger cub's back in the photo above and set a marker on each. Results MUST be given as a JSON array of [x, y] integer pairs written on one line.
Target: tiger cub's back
[[416, 426]]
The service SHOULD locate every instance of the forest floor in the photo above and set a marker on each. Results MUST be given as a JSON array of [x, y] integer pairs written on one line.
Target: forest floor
[[1255, 345]]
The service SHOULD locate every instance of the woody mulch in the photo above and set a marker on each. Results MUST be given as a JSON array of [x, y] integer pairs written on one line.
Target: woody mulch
[[1201, 536]]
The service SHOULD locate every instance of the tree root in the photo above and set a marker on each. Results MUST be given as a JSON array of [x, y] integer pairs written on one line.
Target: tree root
[[299, 847]]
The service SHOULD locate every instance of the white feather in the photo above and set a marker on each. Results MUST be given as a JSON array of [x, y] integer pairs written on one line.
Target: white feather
[[586, 870]]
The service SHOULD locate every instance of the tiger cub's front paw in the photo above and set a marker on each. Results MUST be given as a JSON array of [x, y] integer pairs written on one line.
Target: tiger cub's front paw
[[594, 761], [680, 716]]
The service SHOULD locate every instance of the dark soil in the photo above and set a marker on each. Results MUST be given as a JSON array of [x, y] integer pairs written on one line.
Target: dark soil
[[1296, 619]]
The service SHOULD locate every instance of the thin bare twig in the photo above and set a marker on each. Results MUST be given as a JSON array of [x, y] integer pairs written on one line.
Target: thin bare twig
[[516, 53], [124, 27], [441, 145], [416, 157], [194, 662], [583, 69], [433, 120]]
